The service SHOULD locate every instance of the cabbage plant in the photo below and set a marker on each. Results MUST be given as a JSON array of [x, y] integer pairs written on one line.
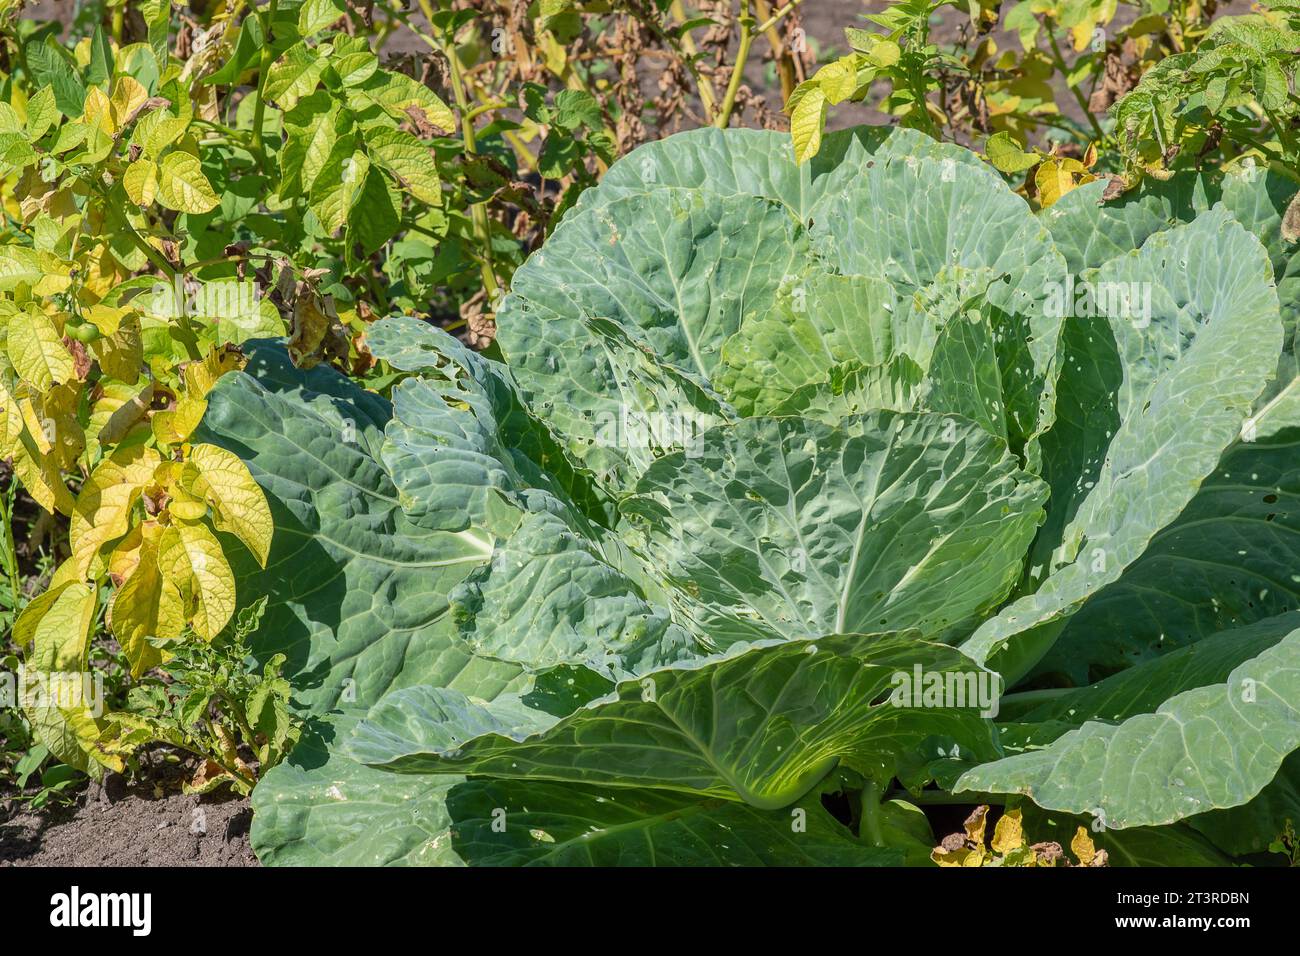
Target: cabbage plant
[[804, 494]]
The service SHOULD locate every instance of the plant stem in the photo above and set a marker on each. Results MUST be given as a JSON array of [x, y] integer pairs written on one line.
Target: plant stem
[[10, 555], [869, 828], [1283, 133], [478, 214], [777, 17], [1059, 61], [264, 67], [780, 55], [738, 69], [704, 87]]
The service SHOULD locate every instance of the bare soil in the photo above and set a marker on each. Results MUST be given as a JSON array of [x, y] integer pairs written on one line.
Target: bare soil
[[145, 821]]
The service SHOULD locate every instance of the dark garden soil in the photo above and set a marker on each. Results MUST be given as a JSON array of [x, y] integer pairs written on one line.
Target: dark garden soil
[[146, 821]]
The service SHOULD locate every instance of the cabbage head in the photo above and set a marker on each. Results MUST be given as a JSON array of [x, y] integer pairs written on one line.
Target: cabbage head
[[803, 493]]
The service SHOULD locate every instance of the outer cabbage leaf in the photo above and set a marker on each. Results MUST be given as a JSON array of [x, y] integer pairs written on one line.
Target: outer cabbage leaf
[[759, 724], [1209, 747], [321, 809], [358, 590], [1121, 461]]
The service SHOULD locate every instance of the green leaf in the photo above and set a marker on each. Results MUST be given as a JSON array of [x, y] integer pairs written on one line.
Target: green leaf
[[1120, 463], [383, 620], [51, 68], [815, 529], [377, 214], [1008, 156], [294, 75], [625, 312], [101, 58], [42, 113], [409, 161], [404, 98], [763, 725], [1214, 746], [340, 183], [316, 15]]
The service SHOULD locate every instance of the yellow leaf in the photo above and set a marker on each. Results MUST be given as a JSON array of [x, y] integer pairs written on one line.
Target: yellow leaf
[[128, 96], [238, 503], [186, 506], [191, 556], [72, 734], [37, 350], [98, 112], [200, 377], [1056, 177], [141, 182], [1082, 847], [807, 119], [24, 630], [54, 413], [1009, 833], [182, 185], [41, 478], [11, 419], [60, 635], [121, 353], [175, 426], [975, 825], [103, 511], [838, 80], [147, 605]]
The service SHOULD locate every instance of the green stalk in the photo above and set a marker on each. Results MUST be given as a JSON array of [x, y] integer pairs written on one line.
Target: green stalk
[[264, 67], [478, 213], [738, 70], [9, 554], [1059, 62], [870, 829]]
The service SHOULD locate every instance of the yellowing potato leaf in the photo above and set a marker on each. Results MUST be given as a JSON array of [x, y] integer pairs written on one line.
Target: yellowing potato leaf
[[128, 96], [99, 112], [201, 376], [806, 121], [40, 477], [1009, 833], [11, 418], [103, 511], [238, 503], [190, 555], [174, 426], [146, 605], [121, 353], [182, 185], [141, 181], [37, 351], [58, 638]]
